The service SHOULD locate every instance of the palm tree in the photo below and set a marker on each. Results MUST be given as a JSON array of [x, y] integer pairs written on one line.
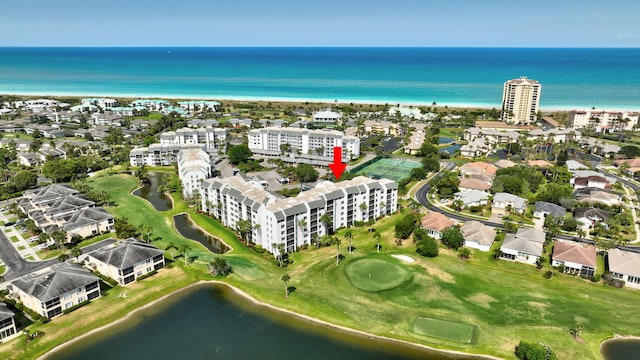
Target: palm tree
[[170, 247], [376, 237], [285, 279], [185, 249], [302, 226], [76, 252], [581, 233], [349, 235], [337, 242], [243, 227], [327, 220]]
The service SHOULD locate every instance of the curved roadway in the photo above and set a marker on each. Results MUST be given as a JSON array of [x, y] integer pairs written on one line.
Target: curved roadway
[[421, 197]]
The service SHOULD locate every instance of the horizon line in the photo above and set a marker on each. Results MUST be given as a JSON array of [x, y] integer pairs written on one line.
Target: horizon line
[[322, 46]]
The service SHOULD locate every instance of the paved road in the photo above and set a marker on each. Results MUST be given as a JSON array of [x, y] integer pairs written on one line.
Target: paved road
[[421, 197], [17, 266]]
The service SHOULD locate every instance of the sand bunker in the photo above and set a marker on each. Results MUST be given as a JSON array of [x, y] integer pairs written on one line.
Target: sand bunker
[[405, 258]]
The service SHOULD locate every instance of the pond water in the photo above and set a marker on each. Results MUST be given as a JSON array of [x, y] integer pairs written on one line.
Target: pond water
[[188, 229], [212, 322], [445, 140], [160, 201], [621, 349], [451, 148]]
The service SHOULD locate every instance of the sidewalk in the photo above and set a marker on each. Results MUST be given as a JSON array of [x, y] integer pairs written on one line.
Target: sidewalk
[[22, 245], [633, 214]]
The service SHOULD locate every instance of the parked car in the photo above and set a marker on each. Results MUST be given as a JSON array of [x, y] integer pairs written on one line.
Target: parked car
[[10, 223]]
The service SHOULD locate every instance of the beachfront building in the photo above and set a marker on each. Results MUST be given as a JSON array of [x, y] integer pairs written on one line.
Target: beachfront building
[[603, 120], [51, 292], [7, 322], [520, 101], [151, 104], [273, 221], [327, 116], [194, 165], [210, 138], [125, 261], [200, 105], [103, 103], [303, 145]]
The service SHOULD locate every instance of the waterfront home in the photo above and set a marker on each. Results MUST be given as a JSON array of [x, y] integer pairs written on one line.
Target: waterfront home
[[473, 184], [503, 201], [543, 208], [126, 261], [603, 120], [51, 292], [477, 147], [596, 195], [472, 198], [588, 217], [151, 104], [200, 105], [577, 259], [477, 235], [435, 223], [7, 322], [625, 266], [521, 249]]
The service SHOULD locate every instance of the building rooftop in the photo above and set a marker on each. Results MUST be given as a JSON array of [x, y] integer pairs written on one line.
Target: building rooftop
[[570, 251], [624, 262], [125, 253], [60, 279], [436, 221], [478, 232]]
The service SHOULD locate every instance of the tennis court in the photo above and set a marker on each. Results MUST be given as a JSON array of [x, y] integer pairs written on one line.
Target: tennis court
[[388, 168]]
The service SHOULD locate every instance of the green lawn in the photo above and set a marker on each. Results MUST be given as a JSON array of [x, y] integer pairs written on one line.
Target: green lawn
[[444, 329], [14, 238], [507, 301], [377, 274], [2, 269], [12, 135], [21, 247]]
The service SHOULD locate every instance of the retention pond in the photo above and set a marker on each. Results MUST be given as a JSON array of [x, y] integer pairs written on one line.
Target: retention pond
[[159, 200]]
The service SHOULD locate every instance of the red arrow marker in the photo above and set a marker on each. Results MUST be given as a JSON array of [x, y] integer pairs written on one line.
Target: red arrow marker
[[337, 166]]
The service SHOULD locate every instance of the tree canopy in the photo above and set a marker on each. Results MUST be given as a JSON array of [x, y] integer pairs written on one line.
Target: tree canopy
[[526, 350], [405, 226], [306, 173], [447, 184], [452, 237], [427, 247], [239, 154]]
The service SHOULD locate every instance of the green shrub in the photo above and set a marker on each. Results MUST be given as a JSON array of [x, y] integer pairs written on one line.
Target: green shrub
[[534, 351]]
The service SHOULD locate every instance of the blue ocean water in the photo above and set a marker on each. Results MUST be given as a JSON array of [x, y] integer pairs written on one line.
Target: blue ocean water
[[570, 78]]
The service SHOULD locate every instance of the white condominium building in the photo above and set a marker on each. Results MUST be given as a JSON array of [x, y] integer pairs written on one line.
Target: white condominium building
[[210, 138], [172, 142], [158, 154], [194, 165], [301, 220], [303, 145], [520, 101], [603, 121]]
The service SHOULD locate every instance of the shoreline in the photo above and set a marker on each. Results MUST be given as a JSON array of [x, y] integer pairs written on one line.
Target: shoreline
[[201, 229], [615, 337], [301, 100], [255, 301]]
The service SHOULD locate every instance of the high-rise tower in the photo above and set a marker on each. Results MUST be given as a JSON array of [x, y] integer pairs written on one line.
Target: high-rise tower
[[520, 100]]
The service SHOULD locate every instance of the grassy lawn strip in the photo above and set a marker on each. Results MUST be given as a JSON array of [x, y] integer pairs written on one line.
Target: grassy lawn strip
[[444, 329], [14, 239], [21, 247], [2, 269]]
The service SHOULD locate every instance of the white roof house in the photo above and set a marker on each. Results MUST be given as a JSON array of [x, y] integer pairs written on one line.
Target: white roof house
[[503, 200], [625, 266], [477, 235], [521, 249], [327, 116], [473, 197]]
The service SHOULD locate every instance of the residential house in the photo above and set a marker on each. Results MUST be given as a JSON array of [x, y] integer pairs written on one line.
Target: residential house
[[475, 148], [573, 165], [596, 195], [577, 258], [599, 182], [28, 159], [526, 246], [599, 146], [477, 235], [435, 223], [625, 266], [89, 222], [504, 163], [479, 170], [503, 201], [126, 261], [51, 292], [631, 166], [7, 322], [381, 127], [588, 217], [474, 184], [237, 123], [327, 116], [543, 208], [472, 198]]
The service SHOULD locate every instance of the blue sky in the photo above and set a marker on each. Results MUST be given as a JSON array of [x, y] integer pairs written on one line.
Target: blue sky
[[492, 23]]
